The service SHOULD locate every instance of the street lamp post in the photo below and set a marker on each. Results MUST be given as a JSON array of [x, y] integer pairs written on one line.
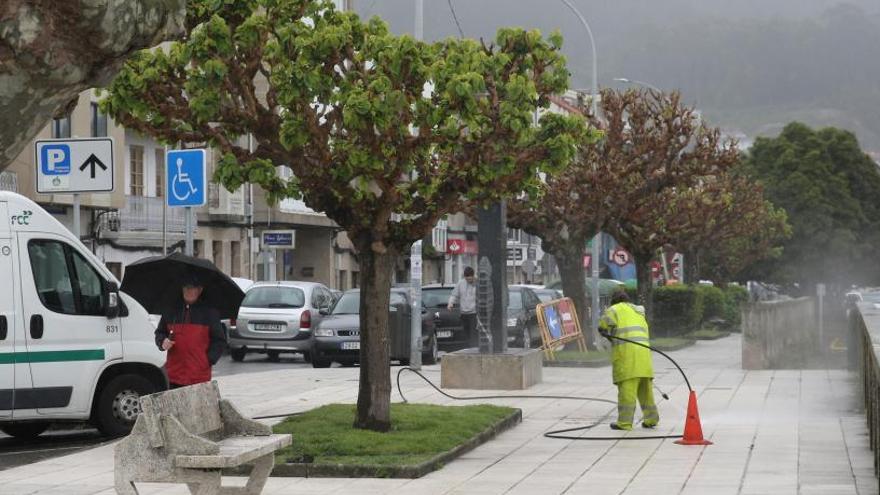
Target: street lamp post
[[597, 239]]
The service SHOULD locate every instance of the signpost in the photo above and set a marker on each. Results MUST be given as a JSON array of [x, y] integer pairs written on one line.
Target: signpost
[[415, 291], [186, 184], [74, 166]]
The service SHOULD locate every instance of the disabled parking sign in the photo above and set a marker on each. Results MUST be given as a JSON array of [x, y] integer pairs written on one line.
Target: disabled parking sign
[[186, 181]]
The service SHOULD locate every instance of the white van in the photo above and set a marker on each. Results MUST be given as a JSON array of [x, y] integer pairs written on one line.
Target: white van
[[72, 347]]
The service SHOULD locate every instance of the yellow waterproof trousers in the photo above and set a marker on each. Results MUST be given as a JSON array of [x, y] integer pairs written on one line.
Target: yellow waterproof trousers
[[627, 393]]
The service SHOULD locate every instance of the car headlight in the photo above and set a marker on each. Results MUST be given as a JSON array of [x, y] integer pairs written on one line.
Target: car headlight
[[511, 322], [323, 332]]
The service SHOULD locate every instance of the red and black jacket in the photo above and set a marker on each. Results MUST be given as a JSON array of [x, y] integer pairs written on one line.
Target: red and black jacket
[[199, 341]]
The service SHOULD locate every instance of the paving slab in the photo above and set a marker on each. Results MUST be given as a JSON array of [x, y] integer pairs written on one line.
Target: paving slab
[[774, 432]]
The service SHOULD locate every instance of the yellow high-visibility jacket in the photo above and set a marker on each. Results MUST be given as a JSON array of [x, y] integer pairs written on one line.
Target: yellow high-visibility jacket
[[627, 360]]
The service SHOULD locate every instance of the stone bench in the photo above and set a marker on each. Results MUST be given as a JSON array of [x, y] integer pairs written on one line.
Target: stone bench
[[188, 435]]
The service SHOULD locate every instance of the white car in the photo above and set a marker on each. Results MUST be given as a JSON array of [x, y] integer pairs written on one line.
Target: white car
[[278, 317]]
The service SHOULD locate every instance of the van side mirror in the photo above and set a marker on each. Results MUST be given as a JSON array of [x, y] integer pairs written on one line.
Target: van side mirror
[[110, 297]]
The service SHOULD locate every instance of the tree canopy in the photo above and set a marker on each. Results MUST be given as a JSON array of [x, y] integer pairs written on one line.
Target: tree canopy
[[383, 133], [828, 188]]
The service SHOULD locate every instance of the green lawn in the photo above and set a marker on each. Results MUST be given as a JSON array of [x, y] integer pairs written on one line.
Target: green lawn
[[707, 333], [419, 432], [589, 356], [667, 342]]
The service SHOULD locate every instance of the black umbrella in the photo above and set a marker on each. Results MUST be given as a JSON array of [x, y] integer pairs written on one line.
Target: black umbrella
[[156, 283]]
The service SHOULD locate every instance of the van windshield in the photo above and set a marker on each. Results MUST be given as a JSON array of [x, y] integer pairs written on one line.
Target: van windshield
[[274, 297]]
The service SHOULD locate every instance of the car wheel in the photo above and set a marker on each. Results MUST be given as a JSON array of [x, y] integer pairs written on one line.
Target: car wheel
[[348, 364], [321, 363], [307, 357], [404, 362], [119, 404], [238, 354], [433, 354], [24, 430], [274, 356], [525, 338]]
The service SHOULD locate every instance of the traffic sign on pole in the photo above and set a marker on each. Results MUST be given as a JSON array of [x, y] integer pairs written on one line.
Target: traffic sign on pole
[[74, 165], [186, 180]]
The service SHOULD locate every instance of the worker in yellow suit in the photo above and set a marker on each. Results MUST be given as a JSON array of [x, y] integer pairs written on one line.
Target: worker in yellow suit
[[631, 364]]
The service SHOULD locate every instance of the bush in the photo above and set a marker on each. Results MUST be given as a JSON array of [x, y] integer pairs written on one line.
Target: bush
[[714, 303], [735, 297], [678, 310]]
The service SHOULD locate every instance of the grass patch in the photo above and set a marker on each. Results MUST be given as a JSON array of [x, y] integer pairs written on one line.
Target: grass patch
[[708, 333], [579, 356], [670, 342], [418, 433]]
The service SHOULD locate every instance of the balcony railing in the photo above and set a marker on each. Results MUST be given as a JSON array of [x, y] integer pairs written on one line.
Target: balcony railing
[[9, 181], [143, 214]]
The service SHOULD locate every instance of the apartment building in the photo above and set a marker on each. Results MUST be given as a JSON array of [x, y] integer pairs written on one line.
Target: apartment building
[[132, 222]]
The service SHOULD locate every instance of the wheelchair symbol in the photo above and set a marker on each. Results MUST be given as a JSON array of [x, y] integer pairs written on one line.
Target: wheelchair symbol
[[182, 178]]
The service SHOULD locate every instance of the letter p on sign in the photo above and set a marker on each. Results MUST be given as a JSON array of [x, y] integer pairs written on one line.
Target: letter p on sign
[[55, 159]]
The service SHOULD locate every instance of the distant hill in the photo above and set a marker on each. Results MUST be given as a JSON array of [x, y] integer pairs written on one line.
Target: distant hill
[[752, 65]]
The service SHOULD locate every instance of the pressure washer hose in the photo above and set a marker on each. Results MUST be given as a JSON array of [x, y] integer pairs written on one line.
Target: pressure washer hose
[[558, 434]]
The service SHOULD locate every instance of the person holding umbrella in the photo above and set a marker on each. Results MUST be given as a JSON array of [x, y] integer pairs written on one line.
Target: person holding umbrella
[[192, 336]]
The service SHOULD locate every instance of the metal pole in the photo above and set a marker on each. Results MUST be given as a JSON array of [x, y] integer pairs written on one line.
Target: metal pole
[[419, 21], [189, 231], [415, 290], [165, 208], [76, 230], [594, 110]]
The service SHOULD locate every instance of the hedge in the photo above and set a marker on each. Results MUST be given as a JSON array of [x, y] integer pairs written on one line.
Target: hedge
[[682, 309]]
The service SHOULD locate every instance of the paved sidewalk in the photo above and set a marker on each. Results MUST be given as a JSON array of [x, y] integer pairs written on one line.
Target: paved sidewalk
[[775, 432]]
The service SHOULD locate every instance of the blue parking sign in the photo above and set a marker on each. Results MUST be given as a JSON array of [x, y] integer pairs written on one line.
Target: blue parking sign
[[186, 183], [55, 159]]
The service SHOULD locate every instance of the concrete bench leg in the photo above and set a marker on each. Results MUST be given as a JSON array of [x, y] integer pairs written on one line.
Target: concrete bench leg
[[210, 486], [262, 467]]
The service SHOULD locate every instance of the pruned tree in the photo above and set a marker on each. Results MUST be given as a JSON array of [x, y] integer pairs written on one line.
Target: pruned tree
[[384, 134], [651, 144], [51, 51], [667, 149], [724, 224]]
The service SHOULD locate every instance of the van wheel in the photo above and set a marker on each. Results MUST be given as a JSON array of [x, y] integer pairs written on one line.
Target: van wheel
[[24, 430], [119, 404], [238, 354]]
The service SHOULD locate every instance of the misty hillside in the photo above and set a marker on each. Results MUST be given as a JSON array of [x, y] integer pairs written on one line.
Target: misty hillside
[[751, 65]]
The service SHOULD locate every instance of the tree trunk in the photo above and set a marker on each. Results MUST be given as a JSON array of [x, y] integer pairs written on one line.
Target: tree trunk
[[691, 268], [572, 273], [374, 391], [646, 286]]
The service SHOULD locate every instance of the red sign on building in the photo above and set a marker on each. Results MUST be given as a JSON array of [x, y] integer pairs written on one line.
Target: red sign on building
[[461, 246]]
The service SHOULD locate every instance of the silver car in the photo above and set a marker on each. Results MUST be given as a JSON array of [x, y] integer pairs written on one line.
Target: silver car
[[278, 317]]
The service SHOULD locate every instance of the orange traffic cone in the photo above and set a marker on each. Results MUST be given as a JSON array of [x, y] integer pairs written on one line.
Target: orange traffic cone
[[693, 431]]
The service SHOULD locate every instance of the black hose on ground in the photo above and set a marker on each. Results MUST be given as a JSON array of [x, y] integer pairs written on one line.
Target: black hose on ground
[[558, 434]]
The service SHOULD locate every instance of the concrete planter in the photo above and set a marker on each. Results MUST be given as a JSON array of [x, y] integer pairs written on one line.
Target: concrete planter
[[303, 470]]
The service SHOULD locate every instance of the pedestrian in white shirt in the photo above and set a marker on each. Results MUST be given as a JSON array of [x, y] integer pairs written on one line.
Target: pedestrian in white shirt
[[465, 295]]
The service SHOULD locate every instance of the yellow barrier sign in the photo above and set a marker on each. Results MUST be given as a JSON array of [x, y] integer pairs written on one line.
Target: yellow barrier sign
[[559, 325]]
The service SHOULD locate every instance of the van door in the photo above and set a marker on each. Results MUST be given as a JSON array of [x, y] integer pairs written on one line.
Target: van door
[[7, 319], [69, 338]]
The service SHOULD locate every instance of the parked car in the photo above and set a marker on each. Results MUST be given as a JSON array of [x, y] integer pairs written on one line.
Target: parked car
[[336, 293], [244, 284], [543, 293], [278, 317], [522, 317], [337, 338], [450, 332]]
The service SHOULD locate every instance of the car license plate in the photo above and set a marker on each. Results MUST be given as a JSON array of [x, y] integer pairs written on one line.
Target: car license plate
[[351, 345], [269, 327], [444, 334]]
